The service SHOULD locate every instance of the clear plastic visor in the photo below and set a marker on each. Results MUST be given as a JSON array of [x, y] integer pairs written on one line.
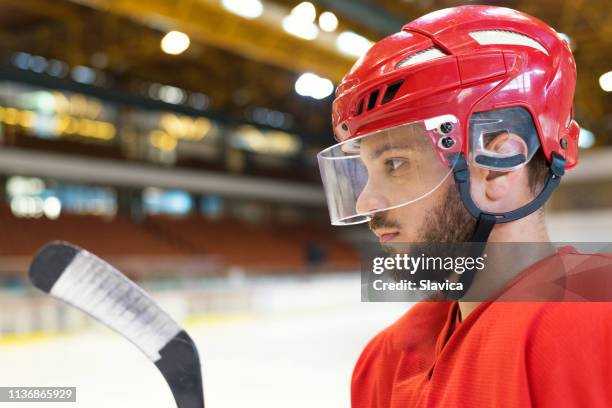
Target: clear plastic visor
[[388, 169]]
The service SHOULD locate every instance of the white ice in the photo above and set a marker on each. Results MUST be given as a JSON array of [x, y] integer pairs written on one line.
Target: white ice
[[294, 359]]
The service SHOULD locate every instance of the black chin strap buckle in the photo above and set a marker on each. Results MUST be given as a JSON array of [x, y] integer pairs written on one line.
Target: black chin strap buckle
[[557, 166]]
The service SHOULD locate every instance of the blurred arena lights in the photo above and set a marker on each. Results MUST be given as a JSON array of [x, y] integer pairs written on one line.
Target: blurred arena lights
[[171, 94], [185, 127], [175, 43], [17, 186], [199, 100], [250, 9], [153, 90], [312, 85], [174, 95], [305, 11], [43, 124], [161, 201], [21, 60], [300, 22], [270, 142], [52, 207], [269, 117], [586, 138], [43, 101], [36, 207], [328, 21], [57, 68], [353, 44], [53, 67], [38, 64], [605, 81], [162, 141], [27, 207], [83, 75]]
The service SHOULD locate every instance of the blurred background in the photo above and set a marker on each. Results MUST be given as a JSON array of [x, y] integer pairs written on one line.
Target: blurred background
[[177, 140]]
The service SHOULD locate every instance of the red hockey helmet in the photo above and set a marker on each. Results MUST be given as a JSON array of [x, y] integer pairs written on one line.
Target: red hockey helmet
[[452, 79]]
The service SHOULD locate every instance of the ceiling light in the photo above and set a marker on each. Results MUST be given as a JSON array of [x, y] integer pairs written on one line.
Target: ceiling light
[[305, 11], [299, 27], [605, 81], [312, 85], [353, 44], [244, 8], [175, 42], [328, 21], [586, 138]]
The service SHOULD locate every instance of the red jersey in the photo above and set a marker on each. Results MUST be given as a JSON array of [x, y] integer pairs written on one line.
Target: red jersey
[[504, 354]]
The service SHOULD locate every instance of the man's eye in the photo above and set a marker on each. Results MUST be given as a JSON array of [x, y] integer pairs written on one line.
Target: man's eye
[[394, 164]]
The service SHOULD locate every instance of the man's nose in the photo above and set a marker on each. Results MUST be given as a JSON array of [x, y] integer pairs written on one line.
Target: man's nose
[[371, 200]]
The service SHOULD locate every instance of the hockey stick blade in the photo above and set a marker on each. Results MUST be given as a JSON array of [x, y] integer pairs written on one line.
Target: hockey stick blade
[[90, 284]]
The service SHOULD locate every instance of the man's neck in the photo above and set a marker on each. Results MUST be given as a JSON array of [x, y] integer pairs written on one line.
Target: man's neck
[[503, 265]]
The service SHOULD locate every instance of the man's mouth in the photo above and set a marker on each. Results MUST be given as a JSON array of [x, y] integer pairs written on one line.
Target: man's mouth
[[388, 236]]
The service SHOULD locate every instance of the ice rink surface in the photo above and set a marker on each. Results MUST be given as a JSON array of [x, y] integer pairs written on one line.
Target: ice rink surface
[[298, 359]]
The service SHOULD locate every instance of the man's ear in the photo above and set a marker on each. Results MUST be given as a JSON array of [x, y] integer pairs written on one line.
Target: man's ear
[[500, 191], [498, 184]]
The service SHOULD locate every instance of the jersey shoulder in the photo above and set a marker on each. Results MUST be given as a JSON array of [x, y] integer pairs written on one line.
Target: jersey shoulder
[[568, 354], [413, 334], [420, 325], [551, 335], [571, 322]]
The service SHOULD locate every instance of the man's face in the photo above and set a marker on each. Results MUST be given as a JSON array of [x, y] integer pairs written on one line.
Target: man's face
[[403, 167]]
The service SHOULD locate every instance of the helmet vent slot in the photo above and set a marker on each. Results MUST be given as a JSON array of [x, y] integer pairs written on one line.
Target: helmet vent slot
[[360, 108], [391, 92], [491, 37], [421, 56], [373, 98]]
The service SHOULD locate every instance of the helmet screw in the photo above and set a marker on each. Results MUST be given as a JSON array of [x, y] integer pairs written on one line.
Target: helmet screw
[[447, 142], [446, 127], [563, 143]]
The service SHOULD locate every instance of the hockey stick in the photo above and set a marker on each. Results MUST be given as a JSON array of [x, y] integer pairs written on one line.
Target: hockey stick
[[85, 281]]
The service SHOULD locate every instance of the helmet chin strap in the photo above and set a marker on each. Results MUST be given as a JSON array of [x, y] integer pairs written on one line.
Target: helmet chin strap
[[486, 220]]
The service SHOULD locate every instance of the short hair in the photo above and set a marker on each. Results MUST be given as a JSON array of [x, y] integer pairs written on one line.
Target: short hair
[[537, 170]]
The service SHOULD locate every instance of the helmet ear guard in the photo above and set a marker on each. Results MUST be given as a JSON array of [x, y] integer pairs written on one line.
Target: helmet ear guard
[[515, 161], [505, 140], [500, 150], [502, 139]]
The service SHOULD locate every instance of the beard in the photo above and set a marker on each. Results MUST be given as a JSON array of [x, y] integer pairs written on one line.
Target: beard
[[443, 233], [448, 222]]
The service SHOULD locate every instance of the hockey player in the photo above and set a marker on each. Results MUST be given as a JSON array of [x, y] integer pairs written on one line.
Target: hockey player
[[458, 128]]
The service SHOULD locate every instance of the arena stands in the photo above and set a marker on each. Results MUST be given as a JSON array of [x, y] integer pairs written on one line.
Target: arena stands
[[231, 243]]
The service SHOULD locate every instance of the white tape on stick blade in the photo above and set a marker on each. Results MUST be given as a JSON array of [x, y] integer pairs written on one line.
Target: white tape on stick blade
[[94, 286]]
